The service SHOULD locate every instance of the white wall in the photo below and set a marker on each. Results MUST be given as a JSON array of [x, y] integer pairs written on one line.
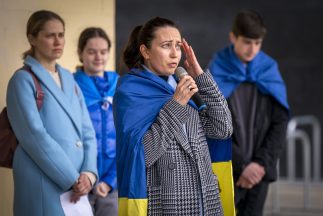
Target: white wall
[[78, 14]]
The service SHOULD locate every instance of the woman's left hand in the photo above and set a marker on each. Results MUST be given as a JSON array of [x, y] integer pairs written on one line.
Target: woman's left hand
[[191, 64]]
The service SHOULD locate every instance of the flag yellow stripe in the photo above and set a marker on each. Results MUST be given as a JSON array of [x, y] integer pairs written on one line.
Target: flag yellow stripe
[[132, 207], [223, 171]]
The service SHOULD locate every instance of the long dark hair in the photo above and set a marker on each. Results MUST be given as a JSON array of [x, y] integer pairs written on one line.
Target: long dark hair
[[132, 57], [36, 23]]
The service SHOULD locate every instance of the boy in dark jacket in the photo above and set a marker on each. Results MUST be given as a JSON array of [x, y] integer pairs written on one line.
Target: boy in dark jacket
[[256, 94]]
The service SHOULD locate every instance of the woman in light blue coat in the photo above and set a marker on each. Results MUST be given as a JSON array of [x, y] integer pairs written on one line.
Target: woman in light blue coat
[[57, 145]]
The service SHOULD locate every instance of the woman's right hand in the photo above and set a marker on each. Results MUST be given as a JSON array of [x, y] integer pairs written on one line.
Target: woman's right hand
[[185, 90], [81, 187], [102, 189]]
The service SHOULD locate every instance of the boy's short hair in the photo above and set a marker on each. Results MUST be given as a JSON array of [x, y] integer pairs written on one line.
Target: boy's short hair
[[249, 24]]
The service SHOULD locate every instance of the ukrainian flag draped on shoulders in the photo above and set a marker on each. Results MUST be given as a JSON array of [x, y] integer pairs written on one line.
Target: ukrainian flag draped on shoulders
[[90, 91], [221, 157], [137, 101], [229, 72]]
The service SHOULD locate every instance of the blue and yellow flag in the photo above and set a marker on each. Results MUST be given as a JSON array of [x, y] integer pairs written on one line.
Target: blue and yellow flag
[[137, 101], [221, 157], [229, 72]]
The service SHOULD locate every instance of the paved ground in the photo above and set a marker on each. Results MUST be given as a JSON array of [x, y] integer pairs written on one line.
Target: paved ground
[[290, 200]]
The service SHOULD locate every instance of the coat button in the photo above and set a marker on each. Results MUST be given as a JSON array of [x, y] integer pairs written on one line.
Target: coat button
[[79, 144], [171, 166]]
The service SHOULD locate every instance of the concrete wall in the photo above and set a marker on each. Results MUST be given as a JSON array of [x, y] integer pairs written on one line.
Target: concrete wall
[[78, 14]]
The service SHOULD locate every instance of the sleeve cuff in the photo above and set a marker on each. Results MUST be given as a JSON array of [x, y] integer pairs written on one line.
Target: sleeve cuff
[[204, 79], [112, 182], [177, 110], [91, 176]]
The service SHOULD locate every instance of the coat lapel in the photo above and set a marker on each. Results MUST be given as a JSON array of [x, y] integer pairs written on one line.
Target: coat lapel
[[192, 132], [63, 96], [183, 141]]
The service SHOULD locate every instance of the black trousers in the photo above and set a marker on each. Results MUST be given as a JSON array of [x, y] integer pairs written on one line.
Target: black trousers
[[250, 202]]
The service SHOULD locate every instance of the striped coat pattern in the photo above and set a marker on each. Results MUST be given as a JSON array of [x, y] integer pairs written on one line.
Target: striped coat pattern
[[180, 180]]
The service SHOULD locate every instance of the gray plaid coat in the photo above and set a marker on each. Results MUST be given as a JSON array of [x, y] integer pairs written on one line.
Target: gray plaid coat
[[180, 180]]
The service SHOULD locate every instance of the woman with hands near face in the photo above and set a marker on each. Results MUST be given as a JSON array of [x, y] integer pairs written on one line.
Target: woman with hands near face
[[187, 87], [163, 160]]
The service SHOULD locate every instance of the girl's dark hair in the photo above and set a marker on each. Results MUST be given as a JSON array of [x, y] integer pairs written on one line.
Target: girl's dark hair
[[36, 23], [249, 24], [89, 33], [142, 35]]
